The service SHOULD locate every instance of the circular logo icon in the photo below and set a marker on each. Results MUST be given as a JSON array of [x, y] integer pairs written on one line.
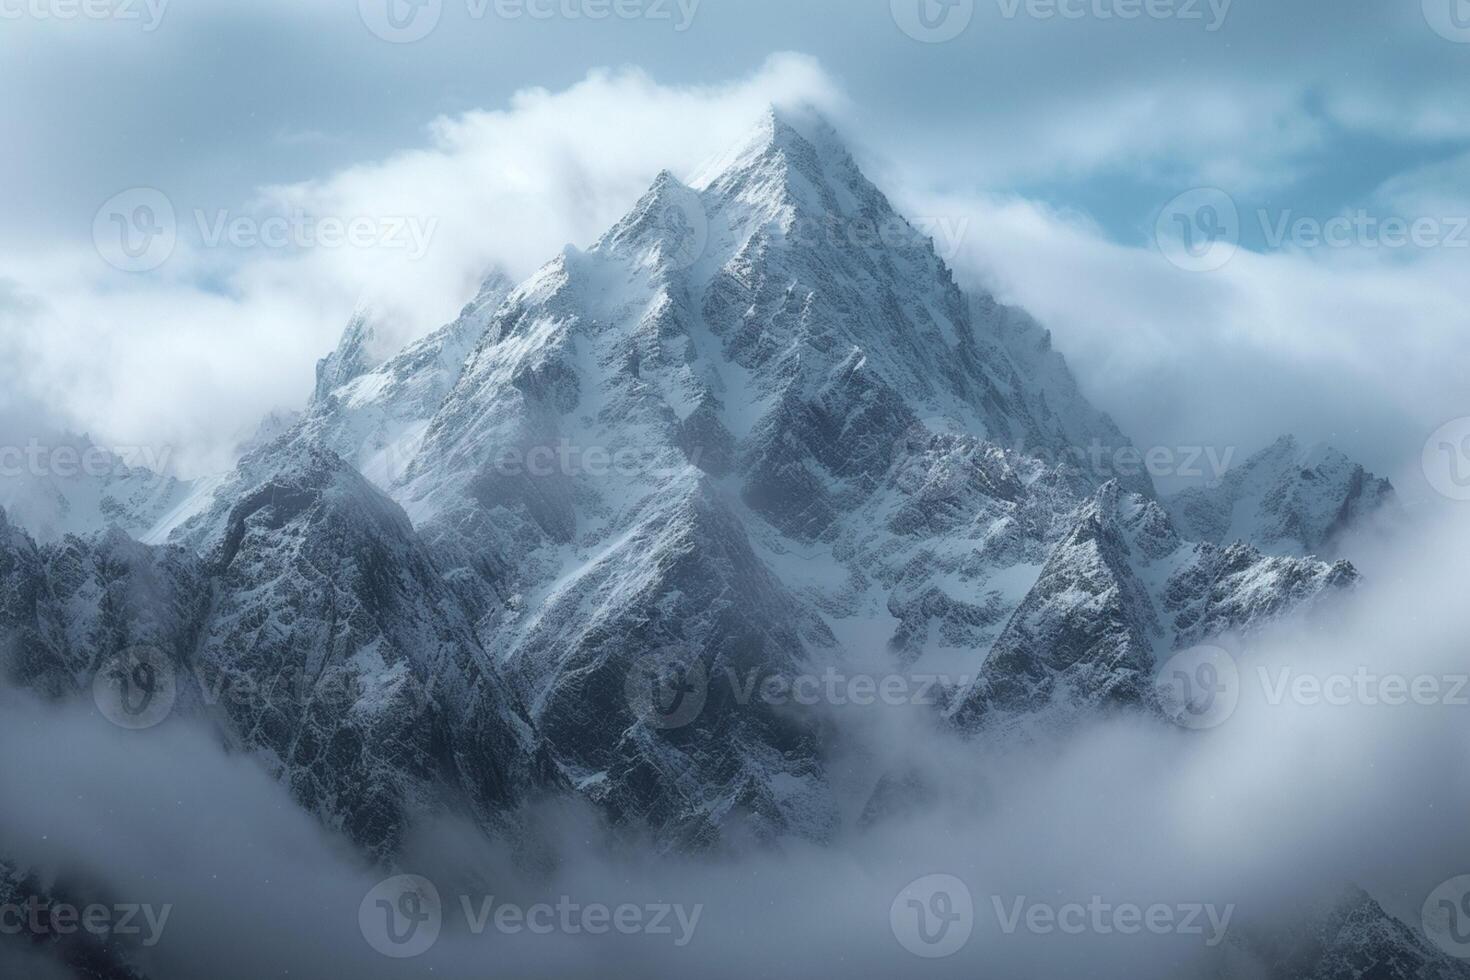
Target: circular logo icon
[[401, 21], [1449, 18], [136, 230], [1199, 688], [933, 916], [667, 688], [135, 689], [402, 917], [1199, 231], [933, 21], [1447, 460], [927, 461], [1446, 917]]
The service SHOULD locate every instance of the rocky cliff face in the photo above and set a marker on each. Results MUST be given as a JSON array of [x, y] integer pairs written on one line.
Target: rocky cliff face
[[557, 544], [753, 429], [313, 630]]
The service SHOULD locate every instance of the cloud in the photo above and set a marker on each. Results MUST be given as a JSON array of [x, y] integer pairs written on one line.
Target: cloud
[[1360, 346], [195, 353], [1285, 801]]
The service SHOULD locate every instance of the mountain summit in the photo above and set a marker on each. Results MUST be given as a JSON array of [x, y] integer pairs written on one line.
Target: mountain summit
[[755, 432]]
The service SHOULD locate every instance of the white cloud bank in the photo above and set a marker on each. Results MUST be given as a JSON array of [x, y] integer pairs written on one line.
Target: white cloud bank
[[1258, 816], [1360, 346]]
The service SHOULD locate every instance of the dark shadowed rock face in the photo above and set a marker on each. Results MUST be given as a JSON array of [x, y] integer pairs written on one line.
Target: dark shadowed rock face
[[378, 701], [559, 544], [683, 593], [316, 633], [1347, 936], [86, 956], [1117, 595], [731, 429]]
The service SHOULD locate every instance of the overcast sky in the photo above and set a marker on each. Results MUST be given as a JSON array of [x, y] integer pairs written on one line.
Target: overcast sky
[[1056, 144]]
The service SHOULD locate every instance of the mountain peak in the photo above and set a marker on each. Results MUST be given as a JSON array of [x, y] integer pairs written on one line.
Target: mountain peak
[[784, 125], [1289, 498], [785, 143], [352, 358]]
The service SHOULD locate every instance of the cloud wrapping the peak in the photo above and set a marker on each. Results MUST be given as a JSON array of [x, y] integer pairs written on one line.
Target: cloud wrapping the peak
[[193, 354]]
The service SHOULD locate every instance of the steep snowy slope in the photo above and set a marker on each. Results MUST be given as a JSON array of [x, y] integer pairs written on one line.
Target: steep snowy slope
[[1116, 596], [373, 412], [315, 632], [754, 430]]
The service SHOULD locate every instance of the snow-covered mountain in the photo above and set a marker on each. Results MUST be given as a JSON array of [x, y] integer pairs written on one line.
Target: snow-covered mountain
[[752, 431], [373, 410], [755, 431], [1117, 594], [313, 630], [1345, 936], [70, 485], [1286, 499]]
